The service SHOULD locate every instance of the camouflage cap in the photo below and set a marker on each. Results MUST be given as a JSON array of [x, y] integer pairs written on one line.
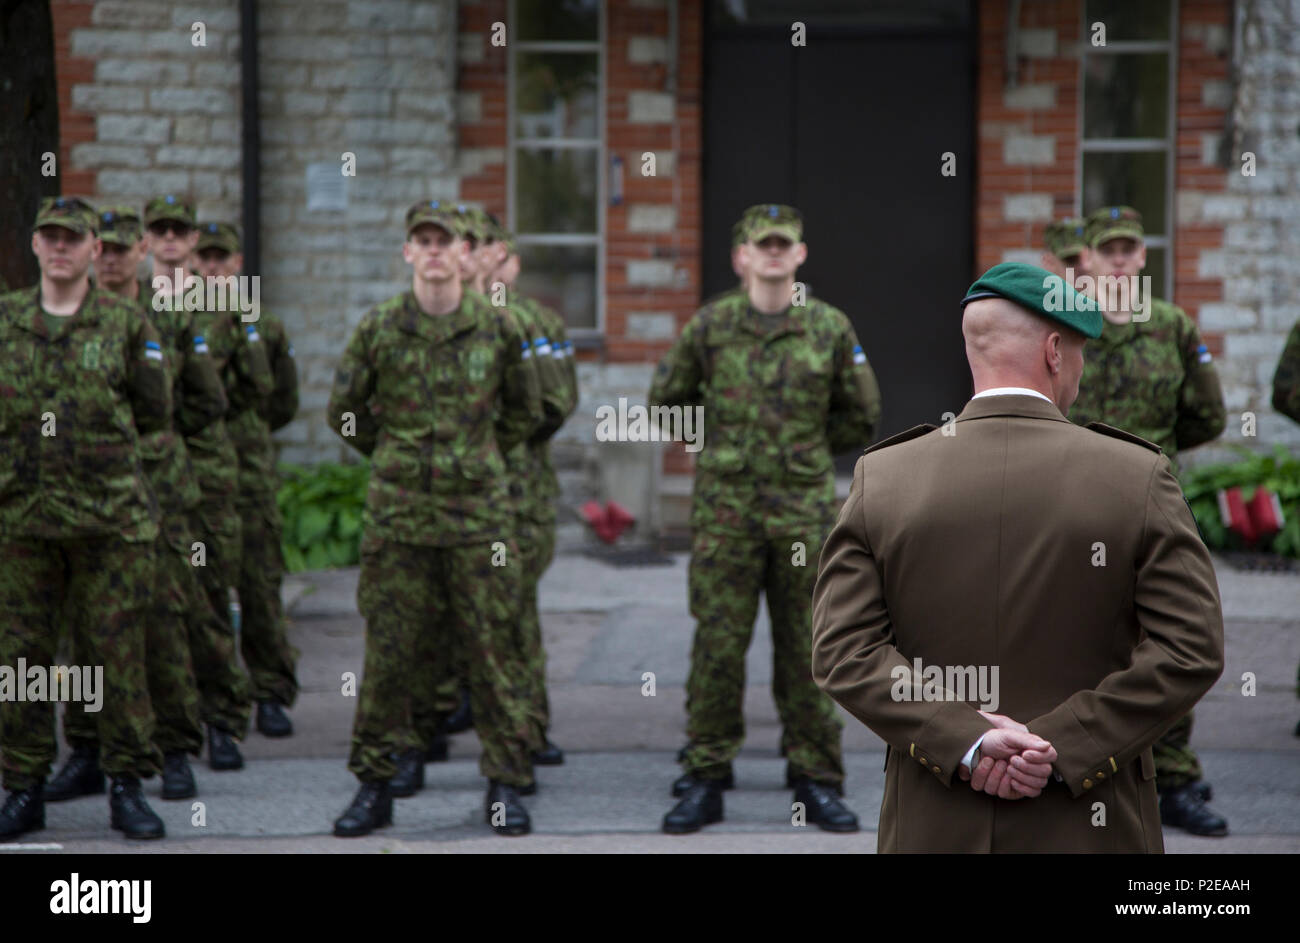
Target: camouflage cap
[[772, 219], [508, 238], [120, 225], [475, 223], [70, 212], [439, 213], [1040, 292], [169, 206], [214, 235], [1114, 222], [1066, 237], [738, 233]]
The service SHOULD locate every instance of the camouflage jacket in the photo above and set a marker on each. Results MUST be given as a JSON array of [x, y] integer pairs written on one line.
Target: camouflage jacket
[[776, 405], [198, 400], [436, 401], [1286, 381], [72, 410], [1154, 379], [240, 358], [250, 430], [534, 486]]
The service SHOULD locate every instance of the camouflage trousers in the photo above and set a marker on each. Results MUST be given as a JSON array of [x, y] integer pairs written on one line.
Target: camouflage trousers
[[168, 669], [1176, 762], [224, 695], [422, 604], [105, 585], [265, 645], [726, 575], [437, 696], [440, 697]]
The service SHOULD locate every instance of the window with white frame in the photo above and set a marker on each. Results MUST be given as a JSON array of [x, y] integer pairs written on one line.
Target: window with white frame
[[1126, 153], [555, 107]]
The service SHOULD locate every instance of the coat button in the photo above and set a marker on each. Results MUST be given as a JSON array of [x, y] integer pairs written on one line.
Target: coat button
[[936, 769], [922, 761], [1087, 784], [1100, 775]]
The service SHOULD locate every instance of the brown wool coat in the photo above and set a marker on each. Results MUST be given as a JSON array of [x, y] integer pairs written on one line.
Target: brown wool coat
[[980, 549]]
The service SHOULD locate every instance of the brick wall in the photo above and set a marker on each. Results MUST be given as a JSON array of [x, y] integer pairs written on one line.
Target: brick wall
[[1257, 260], [1234, 236], [142, 110], [1027, 132], [375, 79], [652, 270]]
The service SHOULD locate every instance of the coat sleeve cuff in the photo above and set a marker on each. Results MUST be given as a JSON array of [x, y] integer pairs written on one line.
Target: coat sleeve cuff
[[1081, 763], [946, 737]]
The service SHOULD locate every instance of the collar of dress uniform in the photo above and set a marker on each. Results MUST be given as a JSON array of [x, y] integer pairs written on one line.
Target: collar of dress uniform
[[1031, 405], [1010, 391]]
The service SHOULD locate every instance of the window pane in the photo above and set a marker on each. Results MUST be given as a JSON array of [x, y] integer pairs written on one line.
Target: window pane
[[1126, 96], [557, 19], [563, 278], [1135, 179], [1127, 20], [1155, 267], [555, 190], [555, 95]]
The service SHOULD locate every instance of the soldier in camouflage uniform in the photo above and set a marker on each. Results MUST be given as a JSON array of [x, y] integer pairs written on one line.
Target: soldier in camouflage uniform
[[1067, 247], [198, 401], [1286, 400], [782, 386], [81, 379], [1151, 376], [270, 658], [534, 486], [241, 364], [434, 388]]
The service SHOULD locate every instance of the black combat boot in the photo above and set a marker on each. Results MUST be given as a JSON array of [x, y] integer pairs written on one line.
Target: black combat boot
[[1184, 808], [685, 781], [177, 777], [462, 718], [372, 808], [437, 750], [823, 807], [129, 813], [701, 805], [505, 810], [272, 721], [223, 753], [80, 776], [409, 778], [23, 811], [549, 755]]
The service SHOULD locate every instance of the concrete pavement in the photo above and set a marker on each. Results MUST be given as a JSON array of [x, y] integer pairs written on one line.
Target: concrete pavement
[[605, 628]]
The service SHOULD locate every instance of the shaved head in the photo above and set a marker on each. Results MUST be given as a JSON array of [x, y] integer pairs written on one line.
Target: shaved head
[[1007, 346]]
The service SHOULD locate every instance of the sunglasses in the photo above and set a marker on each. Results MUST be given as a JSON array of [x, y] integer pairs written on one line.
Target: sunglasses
[[164, 226]]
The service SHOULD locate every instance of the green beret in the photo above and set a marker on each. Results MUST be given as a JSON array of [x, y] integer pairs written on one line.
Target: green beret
[[1114, 222], [1066, 237], [1039, 292]]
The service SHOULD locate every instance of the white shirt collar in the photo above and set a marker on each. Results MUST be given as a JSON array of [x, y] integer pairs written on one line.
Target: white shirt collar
[[1010, 391]]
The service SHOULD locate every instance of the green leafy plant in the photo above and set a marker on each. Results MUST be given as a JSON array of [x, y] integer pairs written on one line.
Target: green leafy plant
[[1278, 472], [321, 506]]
